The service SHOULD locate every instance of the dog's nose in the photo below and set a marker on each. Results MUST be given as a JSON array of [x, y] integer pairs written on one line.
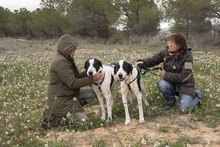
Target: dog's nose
[[90, 73], [120, 75]]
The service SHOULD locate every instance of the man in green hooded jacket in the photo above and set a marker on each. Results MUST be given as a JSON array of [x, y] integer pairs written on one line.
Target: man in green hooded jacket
[[63, 91]]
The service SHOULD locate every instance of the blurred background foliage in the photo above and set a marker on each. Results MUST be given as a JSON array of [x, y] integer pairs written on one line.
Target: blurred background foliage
[[107, 19]]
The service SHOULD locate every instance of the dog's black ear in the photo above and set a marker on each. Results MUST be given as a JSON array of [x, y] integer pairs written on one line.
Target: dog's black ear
[[99, 63], [131, 68], [86, 64], [128, 67], [116, 68]]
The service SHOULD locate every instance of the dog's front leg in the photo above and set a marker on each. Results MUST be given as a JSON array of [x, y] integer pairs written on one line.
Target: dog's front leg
[[101, 101], [124, 91], [141, 113], [109, 102]]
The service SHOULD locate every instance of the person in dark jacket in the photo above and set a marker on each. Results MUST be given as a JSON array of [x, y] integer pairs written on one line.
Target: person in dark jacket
[[64, 92], [177, 76]]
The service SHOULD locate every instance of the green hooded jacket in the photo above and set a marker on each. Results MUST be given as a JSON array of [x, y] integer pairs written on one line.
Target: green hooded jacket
[[65, 80]]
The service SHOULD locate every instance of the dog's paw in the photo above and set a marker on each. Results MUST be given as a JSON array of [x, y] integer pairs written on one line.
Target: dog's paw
[[109, 120], [142, 121], [127, 122], [103, 118]]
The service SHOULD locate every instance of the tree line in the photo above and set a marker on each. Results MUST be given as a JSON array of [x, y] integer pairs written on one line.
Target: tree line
[[104, 18]]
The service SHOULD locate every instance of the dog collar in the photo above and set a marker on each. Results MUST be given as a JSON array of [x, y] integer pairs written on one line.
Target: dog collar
[[138, 76], [100, 83]]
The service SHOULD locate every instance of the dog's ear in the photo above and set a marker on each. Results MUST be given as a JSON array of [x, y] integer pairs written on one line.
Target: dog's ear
[[131, 68], [86, 64], [116, 68], [128, 67], [99, 63]]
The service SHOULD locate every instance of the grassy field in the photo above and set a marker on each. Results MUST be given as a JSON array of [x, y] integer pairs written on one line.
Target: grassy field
[[23, 82]]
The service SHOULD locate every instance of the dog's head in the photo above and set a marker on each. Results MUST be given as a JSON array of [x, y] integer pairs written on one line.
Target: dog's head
[[122, 69], [93, 66]]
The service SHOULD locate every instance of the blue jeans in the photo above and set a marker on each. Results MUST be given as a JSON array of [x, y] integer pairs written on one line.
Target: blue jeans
[[186, 102], [86, 95]]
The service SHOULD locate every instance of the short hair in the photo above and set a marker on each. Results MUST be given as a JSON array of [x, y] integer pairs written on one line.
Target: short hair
[[180, 40]]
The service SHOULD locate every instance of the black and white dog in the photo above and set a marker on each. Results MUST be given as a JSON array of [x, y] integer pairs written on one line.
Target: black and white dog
[[130, 78], [104, 87]]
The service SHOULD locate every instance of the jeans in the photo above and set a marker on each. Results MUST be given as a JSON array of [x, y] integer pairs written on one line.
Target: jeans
[[86, 95], [186, 102]]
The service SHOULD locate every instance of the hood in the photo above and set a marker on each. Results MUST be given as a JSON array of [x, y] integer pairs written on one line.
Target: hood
[[65, 44]]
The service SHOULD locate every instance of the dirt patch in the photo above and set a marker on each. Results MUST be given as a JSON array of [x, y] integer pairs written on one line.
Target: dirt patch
[[128, 135]]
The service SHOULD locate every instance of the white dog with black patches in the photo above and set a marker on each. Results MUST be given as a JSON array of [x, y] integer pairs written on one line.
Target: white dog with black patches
[[131, 80], [104, 87]]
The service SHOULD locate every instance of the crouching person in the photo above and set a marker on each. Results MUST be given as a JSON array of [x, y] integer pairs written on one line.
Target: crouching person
[[177, 76], [64, 92]]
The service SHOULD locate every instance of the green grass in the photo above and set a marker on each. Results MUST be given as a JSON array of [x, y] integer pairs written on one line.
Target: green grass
[[164, 129], [23, 83]]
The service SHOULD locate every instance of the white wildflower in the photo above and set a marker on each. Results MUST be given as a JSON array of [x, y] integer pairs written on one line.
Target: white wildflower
[[74, 98], [10, 126], [208, 141], [48, 135], [158, 125], [116, 130], [217, 105], [8, 142], [157, 144], [114, 145], [68, 115], [143, 141]]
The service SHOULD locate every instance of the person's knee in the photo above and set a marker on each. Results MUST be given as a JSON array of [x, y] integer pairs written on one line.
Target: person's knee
[[163, 85], [93, 94]]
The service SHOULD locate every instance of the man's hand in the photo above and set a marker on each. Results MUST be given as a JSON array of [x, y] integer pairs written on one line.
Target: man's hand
[[97, 77], [139, 62], [160, 73]]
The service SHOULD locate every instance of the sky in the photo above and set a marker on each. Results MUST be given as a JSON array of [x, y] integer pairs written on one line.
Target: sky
[[32, 5], [12, 5]]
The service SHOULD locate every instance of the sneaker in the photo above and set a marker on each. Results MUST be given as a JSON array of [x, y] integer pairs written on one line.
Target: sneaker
[[81, 116], [198, 92], [170, 105], [45, 125]]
